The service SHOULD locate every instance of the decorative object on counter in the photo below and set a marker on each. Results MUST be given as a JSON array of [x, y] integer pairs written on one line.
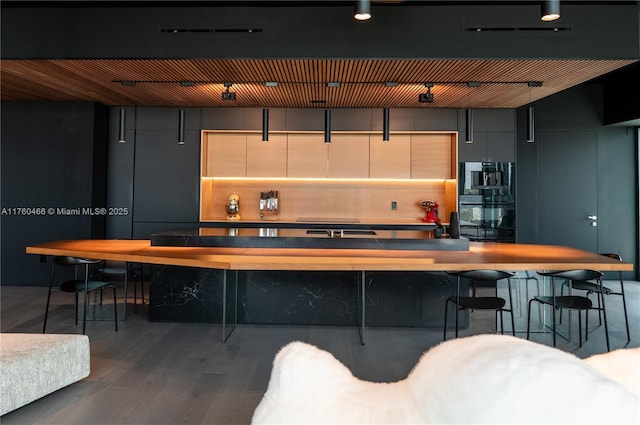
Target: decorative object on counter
[[268, 204], [454, 225], [431, 208], [233, 207]]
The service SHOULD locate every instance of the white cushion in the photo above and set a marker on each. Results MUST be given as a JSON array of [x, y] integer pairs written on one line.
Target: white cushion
[[480, 379]]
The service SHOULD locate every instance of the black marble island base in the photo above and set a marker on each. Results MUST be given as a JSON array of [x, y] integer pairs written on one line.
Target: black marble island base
[[398, 298], [402, 299]]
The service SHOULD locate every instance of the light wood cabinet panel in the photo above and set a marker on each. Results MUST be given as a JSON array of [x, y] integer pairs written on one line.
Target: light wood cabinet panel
[[226, 155], [431, 156], [390, 159], [267, 159], [356, 176], [307, 155], [349, 156]]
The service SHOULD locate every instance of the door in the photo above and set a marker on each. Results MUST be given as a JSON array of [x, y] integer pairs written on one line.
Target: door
[[567, 172]]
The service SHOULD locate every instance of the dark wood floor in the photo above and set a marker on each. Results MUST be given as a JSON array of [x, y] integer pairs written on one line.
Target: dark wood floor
[[180, 373]]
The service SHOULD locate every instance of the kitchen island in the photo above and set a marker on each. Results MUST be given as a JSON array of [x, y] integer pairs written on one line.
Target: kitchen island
[[314, 234], [247, 285]]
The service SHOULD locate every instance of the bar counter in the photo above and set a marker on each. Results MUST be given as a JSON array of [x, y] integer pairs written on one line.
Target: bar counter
[[399, 288], [495, 256]]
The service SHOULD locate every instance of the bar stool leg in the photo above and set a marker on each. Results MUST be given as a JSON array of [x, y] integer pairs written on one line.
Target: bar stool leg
[[624, 306], [457, 305]]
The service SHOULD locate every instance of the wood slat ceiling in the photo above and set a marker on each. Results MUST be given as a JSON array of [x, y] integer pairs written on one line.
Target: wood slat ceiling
[[301, 83]]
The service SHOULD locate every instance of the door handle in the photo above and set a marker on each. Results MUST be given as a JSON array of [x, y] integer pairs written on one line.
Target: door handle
[[592, 217]]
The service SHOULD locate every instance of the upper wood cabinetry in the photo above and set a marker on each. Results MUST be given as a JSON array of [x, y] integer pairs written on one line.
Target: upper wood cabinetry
[[433, 156], [306, 155], [392, 159], [224, 154], [356, 175], [266, 159], [349, 156]]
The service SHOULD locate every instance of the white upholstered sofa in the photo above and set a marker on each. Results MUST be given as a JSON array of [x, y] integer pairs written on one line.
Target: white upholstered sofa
[[34, 365]]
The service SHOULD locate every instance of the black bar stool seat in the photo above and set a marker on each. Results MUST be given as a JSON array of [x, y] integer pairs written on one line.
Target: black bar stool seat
[[473, 302], [571, 302], [77, 286]]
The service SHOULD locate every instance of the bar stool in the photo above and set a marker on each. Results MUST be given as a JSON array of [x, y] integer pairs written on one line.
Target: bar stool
[[76, 285], [474, 302], [591, 288], [571, 302], [128, 271]]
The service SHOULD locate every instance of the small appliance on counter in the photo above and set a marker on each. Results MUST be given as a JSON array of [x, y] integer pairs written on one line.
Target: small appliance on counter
[[269, 205], [233, 207], [431, 208]]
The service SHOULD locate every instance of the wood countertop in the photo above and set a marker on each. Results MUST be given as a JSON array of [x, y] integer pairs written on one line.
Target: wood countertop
[[497, 256]]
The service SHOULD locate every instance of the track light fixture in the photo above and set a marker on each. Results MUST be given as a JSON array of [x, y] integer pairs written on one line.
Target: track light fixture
[[181, 127], [428, 96], [362, 10], [121, 126], [550, 10], [228, 95], [265, 124]]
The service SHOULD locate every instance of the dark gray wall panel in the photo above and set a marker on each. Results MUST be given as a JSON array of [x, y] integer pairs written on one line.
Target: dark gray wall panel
[[48, 160], [501, 147], [617, 192], [353, 119], [166, 183], [472, 152], [526, 185], [305, 119], [435, 119], [277, 119], [223, 118], [399, 120], [580, 110], [120, 175]]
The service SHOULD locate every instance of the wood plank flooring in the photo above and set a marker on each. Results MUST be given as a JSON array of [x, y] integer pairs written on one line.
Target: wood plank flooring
[[181, 373]]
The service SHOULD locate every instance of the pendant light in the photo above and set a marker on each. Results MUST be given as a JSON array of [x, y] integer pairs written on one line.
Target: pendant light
[[469, 114], [122, 126], [469, 126], [531, 131], [181, 127], [265, 124], [550, 10], [531, 121], [385, 124], [327, 126], [362, 10]]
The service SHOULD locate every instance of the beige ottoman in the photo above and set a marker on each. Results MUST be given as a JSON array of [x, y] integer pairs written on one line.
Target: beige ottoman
[[34, 365]]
